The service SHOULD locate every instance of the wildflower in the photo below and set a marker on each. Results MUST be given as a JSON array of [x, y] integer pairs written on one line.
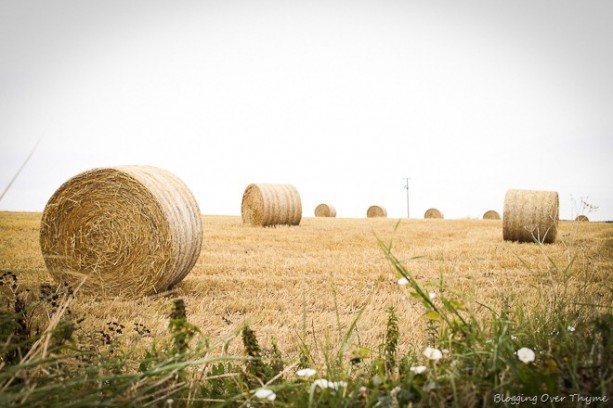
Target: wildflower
[[571, 329], [418, 369], [265, 393], [432, 295], [363, 391], [445, 351], [403, 281], [306, 372], [525, 354], [433, 353], [335, 385]]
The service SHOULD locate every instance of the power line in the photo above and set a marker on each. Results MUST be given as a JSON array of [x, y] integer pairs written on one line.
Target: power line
[[406, 186]]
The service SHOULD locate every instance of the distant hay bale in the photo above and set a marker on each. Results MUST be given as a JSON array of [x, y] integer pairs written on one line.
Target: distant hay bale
[[376, 211], [325, 210], [433, 213], [491, 215], [530, 216], [271, 204], [582, 218], [130, 230]]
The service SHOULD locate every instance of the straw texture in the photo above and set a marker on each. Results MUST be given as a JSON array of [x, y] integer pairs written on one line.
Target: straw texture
[[376, 211], [271, 204], [130, 230], [582, 218], [325, 210], [491, 215], [530, 216], [433, 213]]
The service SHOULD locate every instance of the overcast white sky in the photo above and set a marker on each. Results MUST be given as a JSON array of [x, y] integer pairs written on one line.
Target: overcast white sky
[[342, 99]]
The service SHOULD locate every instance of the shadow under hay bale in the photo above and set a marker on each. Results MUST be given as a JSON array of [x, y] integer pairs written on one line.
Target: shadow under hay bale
[[530, 216], [375, 211], [129, 230], [271, 204], [433, 213], [491, 215], [325, 210]]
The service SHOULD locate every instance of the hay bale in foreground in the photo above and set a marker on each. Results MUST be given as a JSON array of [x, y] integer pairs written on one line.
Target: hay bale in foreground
[[582, 218], [491, 215], [131, 230], [376, 211], [433, 213], [271, 204], [325, 210], [530, 216]]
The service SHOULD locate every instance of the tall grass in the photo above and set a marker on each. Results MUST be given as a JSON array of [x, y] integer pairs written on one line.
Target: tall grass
[[473, 355]]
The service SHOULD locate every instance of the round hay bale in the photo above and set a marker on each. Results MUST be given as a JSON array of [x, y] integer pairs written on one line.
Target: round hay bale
[[530, 216], [491, 215], [129, 230], [271, 204], [582, 218], [433, 213], [376, 211], [325, 210]]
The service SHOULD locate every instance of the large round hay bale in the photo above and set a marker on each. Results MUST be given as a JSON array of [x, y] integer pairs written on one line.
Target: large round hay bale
[[491, 215], [271, 204], [325, 210], [376, 211], [130, 230], [530, 216], [582, 218], [433, 213]]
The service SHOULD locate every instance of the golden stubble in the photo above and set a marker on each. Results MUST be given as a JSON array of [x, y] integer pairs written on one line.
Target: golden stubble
[[311, 280]]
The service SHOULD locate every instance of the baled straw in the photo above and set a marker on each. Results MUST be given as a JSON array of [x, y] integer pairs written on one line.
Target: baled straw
[[582, 218], [530, 216], [433, 213], [491, 215], [271, 204], [325, 210], [129, 230], [376, 211]]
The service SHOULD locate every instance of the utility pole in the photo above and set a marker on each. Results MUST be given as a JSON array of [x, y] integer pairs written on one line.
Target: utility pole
[[406, 186]]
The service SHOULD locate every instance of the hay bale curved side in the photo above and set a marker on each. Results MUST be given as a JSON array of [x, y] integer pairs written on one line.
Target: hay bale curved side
[[433, 213], [271, 204], [131, 230], [376, 211], [491, 215], [325, 210], [530, 216], [582, 218]]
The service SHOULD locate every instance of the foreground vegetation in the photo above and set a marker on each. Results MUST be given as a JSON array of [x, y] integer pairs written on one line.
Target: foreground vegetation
[[471, 322]]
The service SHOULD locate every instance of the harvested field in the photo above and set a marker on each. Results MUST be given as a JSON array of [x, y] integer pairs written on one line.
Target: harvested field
[[284, 280]]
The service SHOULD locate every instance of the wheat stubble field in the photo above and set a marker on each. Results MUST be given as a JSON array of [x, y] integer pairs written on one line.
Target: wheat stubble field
[[311, 280]]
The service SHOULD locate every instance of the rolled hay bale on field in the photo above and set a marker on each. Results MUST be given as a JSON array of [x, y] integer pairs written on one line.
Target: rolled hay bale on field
[[271, 204], [433, 213], [491, 215], [325, 210], [582, 218], [129, 230], [376, 211], [530, 216]]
